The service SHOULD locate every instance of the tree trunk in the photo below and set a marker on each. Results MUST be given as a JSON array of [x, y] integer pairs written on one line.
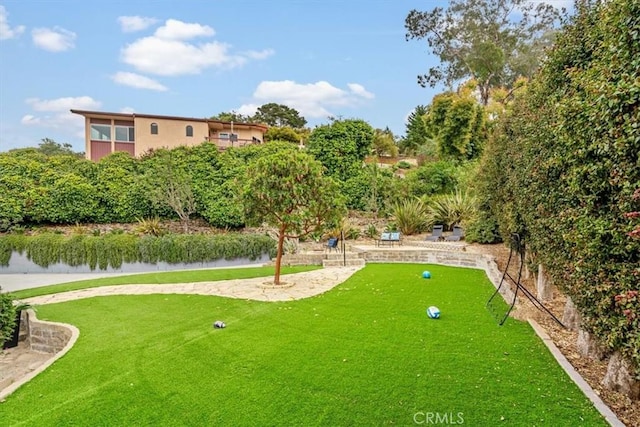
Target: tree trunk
[[276, 279]]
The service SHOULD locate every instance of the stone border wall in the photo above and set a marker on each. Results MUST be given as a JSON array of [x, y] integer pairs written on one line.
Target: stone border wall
[[50, 337], [42, 336]]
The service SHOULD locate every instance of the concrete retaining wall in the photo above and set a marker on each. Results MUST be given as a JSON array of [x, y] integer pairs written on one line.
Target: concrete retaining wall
[[42, 336]]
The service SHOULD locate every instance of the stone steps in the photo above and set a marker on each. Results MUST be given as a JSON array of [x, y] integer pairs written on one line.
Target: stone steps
[[349, 262]]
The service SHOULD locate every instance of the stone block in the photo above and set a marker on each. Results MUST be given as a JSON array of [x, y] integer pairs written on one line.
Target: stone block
[[620, 377], [543, 285], [588, 346], [571, 317]]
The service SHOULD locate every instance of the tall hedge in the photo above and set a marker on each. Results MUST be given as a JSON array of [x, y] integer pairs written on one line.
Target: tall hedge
[[564, 164]]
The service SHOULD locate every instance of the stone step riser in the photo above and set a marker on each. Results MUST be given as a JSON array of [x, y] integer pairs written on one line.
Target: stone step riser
[[339, 263]]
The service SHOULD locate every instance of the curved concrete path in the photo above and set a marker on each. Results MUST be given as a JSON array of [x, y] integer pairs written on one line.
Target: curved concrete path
[[294, 286]]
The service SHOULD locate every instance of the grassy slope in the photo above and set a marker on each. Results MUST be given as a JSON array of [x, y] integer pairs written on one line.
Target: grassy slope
[[362, 354], [186, 276]]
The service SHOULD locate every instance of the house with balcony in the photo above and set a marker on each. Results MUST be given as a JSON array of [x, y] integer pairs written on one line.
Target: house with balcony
[[137, 133]]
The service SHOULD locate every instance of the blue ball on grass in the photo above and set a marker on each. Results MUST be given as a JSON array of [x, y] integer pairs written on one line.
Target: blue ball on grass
[[433, 312], [426, 275]]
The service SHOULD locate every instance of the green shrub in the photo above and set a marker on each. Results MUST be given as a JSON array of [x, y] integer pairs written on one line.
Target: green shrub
[[68, 199], [7, 317], [430, 179], [371, 231], [563, 166], [483, 230], [152, 226], [369, 189], [352, 233], [453, 209], [112, 249], [403, 164], [411, 216]]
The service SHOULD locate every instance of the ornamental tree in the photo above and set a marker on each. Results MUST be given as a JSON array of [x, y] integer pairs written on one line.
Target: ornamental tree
[[491, 41], [279, 115], [288, 190]]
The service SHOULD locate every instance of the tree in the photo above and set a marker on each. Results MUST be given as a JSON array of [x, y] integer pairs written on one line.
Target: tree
[[457, 124], [231, 116], [49, 147], [417, 132], [384, 143], [341, 146], [288, 190], [274, 114], [284, 133], [491, 41], [170, 185]]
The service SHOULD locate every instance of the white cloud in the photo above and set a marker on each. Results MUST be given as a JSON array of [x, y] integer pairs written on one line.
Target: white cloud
[[262, 54], [167, 53], [128, 110], [137, 81], [172, 58], [178, 30], [359, 90], [130, 24], [63, 104], [6, 32], [56, 114], [247, 109], [54, 40], [312, 100]]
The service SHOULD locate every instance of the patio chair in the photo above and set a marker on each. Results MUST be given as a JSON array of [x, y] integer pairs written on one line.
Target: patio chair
[[390, 237], [395, 238], [456, 236], [384, 237], [436, 233], [332, 243]]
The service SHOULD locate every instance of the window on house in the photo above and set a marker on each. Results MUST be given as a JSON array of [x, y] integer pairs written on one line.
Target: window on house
[[154, 128], [125, 134], [226, 135], [189, 130], [100, 133]]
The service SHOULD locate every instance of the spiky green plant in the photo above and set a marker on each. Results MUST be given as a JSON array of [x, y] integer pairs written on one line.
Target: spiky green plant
[[411, 216], [152, 226], [371, 231], [453, 209]]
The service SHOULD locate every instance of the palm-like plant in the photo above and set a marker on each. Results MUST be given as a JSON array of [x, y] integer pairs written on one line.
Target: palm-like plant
[[412, 216], [453, 209]]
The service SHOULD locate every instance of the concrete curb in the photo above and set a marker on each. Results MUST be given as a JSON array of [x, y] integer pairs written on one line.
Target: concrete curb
[[75, 333], [604, 410]]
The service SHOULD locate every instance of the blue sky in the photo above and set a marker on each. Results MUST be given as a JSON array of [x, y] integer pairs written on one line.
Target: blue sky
[[197, 58]]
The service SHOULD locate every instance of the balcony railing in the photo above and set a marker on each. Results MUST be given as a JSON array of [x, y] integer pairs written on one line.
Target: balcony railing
[[224, 143]]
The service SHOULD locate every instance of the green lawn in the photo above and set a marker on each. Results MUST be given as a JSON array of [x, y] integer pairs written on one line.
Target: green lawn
[[364, 353]]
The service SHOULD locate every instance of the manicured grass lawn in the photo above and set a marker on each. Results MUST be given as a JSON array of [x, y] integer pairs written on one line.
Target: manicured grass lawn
[[186, 276], [364, 353]]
